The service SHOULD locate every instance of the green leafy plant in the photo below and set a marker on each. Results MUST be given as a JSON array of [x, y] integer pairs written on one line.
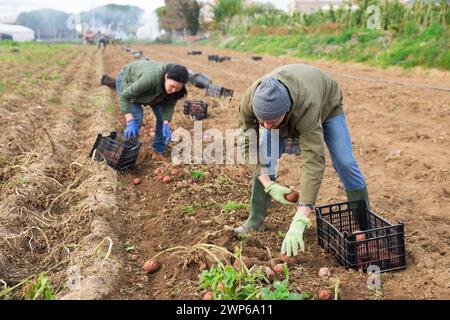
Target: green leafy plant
[[189, 210], [230, 283], [281, 233], [128, 246], [241, 237], [233, 206], [197, 174], [39, 289], [282, 290], [227, 283]]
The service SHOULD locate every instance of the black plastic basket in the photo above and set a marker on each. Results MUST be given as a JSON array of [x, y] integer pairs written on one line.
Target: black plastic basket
[[194, 53], [197, 109], [219, 91], [217, 58], [227, 93], [292, 146], [200, 80], [213, 57], [119, 154], [379, 242], [214, 90]]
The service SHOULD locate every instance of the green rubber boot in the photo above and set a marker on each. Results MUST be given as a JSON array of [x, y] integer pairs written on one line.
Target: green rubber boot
[[259, 202], [362, 194]]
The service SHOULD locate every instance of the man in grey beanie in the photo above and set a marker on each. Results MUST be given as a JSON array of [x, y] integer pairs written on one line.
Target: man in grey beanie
[[271, 99], [296, 101]]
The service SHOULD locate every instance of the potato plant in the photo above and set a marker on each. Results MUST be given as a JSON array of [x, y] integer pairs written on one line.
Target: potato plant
[[228, 283]]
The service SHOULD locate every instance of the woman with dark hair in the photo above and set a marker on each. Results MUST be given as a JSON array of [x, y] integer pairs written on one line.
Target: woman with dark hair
[[158, 85]]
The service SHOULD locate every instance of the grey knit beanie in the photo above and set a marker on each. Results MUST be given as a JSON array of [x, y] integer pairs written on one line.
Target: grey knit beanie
[[271, 99]]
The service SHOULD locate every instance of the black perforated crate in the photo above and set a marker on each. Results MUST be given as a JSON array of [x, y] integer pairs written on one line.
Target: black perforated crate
[[118, 153], [292, 146], [197, 109], [219, 91], [359, 238]]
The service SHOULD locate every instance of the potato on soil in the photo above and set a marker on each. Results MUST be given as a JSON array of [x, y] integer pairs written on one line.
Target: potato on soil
[[324, 294], [136, 181], [289, 260], [158, 171], [151, 265], [208, 296], [247, 261], [324, 272], [278, 268], [166, 179], [269, 273]]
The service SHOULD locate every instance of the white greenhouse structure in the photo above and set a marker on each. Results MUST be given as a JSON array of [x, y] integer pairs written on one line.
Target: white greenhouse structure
[[18, 33]]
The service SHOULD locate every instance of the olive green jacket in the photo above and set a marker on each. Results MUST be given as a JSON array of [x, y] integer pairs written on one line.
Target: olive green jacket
[[143, 82], [316, 97]]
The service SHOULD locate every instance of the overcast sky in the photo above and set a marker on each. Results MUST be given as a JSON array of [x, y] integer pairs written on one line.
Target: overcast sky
[[14, 7]]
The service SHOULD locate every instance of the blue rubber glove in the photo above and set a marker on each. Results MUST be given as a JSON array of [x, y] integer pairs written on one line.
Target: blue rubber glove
[[131, 129], [167, 134], [294, 237]]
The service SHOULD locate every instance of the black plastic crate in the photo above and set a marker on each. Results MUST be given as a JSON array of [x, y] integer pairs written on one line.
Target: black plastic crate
[[292, 146], [214, 90], [213, 57], [227, 93], [118, 153], [217, 58], [197, 109], [200, 80], [378, 243], [194, 53], [219, 91]]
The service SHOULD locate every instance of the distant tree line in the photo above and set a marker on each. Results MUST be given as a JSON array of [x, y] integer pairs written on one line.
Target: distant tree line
[[178, 15]]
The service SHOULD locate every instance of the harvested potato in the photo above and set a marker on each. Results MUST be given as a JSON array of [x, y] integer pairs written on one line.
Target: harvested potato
[[289, 260], [324, 294], [324, 272], [292, 197], [278, 268], [208, 296], [151, 265], [247, 261]]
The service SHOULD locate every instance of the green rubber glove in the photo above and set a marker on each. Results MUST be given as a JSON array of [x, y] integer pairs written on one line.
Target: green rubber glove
[[278, 192], [294, 236]]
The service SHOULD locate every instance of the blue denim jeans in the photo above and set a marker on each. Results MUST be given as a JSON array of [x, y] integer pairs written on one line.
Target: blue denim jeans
[[337, 139], [138, 114]]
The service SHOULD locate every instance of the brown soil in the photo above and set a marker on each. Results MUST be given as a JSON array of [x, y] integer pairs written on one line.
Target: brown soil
[[400, 139]]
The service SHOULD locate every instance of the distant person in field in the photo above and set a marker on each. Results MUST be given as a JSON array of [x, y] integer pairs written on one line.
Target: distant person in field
[[102, 39], [154, 84], [302, 102]]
